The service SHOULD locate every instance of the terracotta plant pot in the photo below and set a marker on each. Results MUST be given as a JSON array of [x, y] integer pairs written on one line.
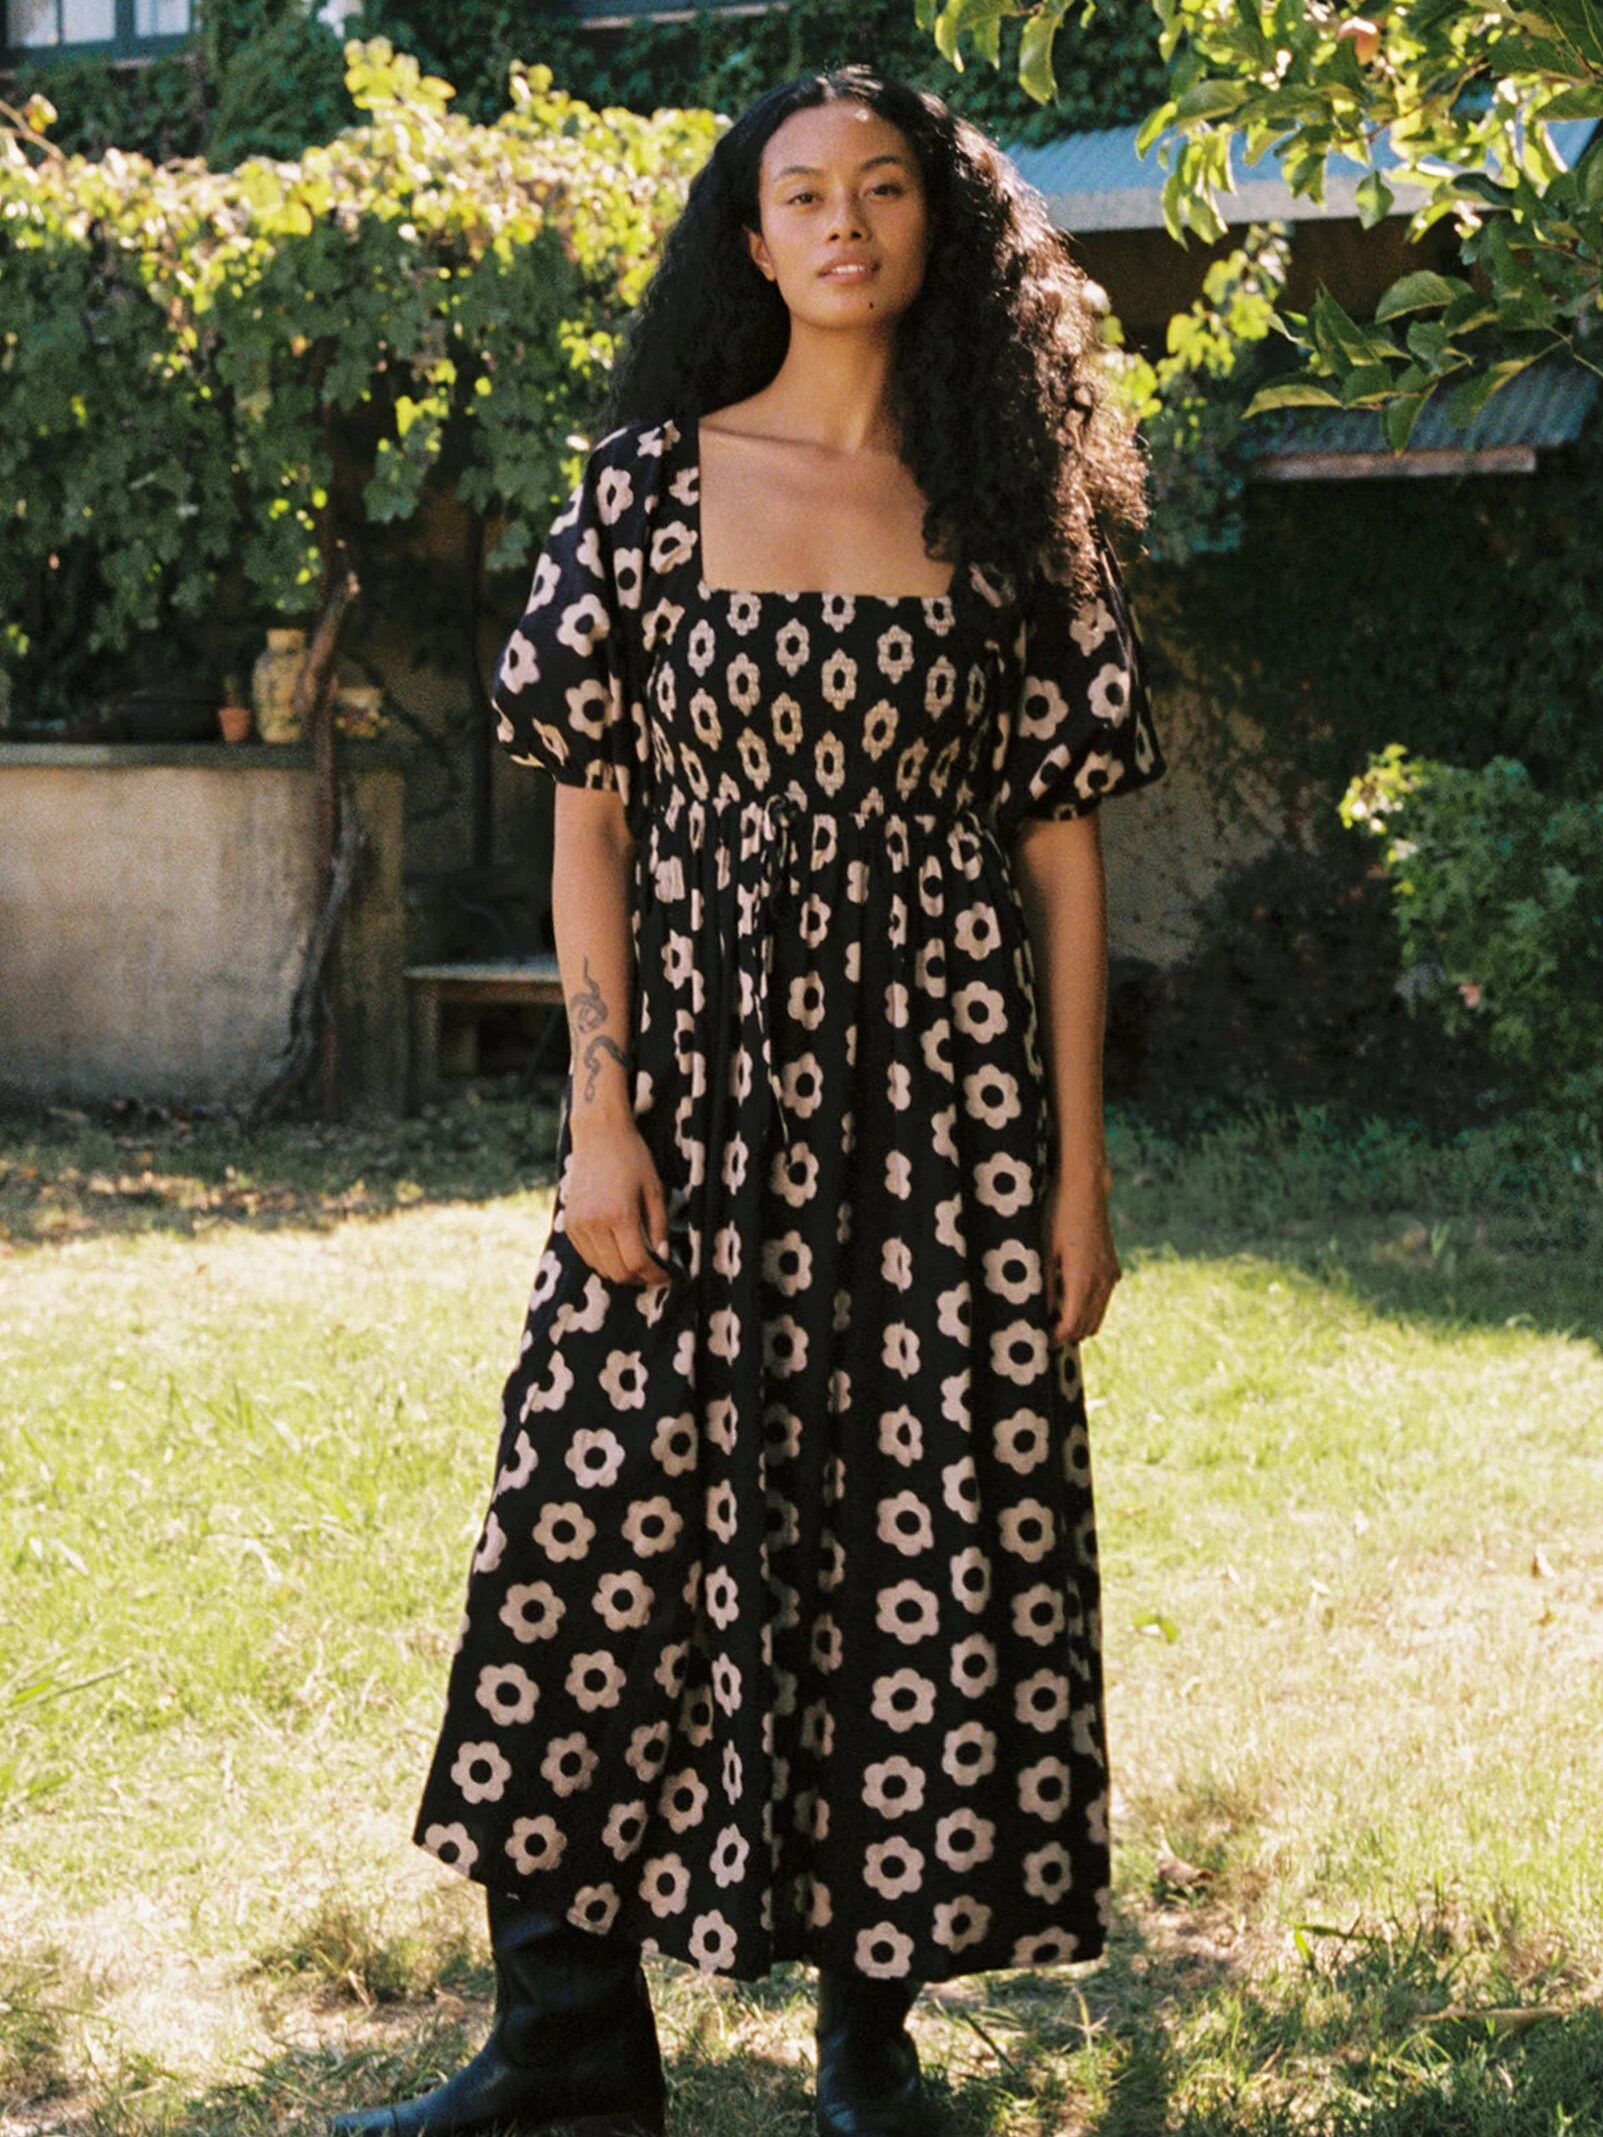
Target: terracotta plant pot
[[235, 722]]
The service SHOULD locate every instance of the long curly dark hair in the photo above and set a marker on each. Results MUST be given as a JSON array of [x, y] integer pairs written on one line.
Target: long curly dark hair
[[1016, 475]]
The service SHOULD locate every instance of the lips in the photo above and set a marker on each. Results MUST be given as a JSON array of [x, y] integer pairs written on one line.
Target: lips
[[850, 268]]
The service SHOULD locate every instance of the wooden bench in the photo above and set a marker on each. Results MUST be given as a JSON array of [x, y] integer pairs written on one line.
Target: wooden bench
[[497, 983]]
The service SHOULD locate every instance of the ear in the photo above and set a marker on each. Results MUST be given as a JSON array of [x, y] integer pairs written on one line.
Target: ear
[[759, 254]]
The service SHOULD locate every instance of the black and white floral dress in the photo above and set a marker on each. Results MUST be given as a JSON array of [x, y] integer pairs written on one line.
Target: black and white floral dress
[[782, 1637]]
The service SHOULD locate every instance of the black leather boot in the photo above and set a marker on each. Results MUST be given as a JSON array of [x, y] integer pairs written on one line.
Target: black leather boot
[[574, 2040], [869, 2081]]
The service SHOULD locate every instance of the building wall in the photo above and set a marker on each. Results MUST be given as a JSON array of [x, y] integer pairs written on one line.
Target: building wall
[[1169, 845], [154, 910]]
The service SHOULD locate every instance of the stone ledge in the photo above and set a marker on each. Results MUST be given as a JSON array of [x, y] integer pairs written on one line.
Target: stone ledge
[[203, 756]]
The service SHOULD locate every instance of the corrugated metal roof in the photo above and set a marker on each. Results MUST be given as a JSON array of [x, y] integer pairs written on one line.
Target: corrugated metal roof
[[1546, 404], [1096, 181]]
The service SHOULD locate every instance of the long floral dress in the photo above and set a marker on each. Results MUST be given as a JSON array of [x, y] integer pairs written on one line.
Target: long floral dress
[[782, 1637]]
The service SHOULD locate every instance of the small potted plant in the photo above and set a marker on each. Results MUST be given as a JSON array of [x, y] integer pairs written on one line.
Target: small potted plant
[[234, 715], [359, 711]]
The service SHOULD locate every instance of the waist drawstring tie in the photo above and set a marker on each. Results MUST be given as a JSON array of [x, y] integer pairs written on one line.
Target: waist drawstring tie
[[776, 858]]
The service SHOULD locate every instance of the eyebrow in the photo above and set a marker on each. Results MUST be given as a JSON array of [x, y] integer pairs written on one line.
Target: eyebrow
[[812, 170]]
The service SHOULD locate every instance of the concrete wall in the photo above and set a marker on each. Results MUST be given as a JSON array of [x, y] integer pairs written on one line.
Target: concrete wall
[[1170, 845], [154, 909]]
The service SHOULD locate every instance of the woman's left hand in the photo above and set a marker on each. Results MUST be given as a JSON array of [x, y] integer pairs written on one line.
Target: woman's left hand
[[1078, 1254]]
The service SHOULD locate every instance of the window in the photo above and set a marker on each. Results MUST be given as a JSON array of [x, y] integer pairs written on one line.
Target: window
[[31, 24], [121, 28]]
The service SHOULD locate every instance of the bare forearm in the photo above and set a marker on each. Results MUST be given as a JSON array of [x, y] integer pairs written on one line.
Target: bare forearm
[[590, 892], [1058, 868]]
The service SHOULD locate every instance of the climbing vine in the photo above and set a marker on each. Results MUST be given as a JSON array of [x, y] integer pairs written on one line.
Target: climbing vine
[[190, 357]]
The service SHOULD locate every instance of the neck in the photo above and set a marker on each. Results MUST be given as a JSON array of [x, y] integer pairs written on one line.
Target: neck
[[833, 390]]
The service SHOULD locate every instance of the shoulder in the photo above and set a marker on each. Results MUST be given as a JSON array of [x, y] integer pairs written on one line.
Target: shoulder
[[639, 447], [624, 473]]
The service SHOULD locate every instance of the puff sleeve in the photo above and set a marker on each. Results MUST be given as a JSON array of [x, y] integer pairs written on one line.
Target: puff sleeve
[[1081, 724], [564, 693]]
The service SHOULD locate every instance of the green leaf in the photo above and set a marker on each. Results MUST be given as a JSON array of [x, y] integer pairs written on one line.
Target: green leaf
[[948, 23], [1252, 29], [1153, 125], [1339, 335], [1035, 56], [1418, 292], [1400, 416], [1525, 310], [1169, 206], [1482, 188], [1527, 55], [1300, 392], [1470, 396], [1375, 199], [1158, 1621], [1583, 101], [1466, 313], [1426, 339], [1206, 220], [1365, 382], [1211, 99]]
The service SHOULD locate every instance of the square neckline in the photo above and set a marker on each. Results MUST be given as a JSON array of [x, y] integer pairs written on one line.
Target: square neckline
[[691, 437]]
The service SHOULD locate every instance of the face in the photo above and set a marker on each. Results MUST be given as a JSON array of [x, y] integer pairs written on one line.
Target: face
[[845, 233]]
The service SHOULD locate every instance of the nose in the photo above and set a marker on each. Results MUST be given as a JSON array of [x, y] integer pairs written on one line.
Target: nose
[[847, 219]]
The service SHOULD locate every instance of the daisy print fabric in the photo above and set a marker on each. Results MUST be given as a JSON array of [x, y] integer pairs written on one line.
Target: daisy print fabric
[[782, 1635]]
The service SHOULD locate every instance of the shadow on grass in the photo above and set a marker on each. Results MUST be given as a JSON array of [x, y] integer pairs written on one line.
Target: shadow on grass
[[1191, 2049], [1454, 1236], [65, 1176], [1499, 1224], [1478, 1283], [1457, 1274]]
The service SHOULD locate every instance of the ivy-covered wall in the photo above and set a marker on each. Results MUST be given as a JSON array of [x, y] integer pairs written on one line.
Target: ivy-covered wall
[[1461, 619], [1461, 616], [1108, 71], [260, 77]]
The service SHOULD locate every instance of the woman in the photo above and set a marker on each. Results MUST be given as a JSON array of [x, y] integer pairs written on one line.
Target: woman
[[782, 1637]]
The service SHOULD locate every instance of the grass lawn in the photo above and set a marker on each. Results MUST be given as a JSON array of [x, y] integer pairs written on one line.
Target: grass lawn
[[1349, 1470]]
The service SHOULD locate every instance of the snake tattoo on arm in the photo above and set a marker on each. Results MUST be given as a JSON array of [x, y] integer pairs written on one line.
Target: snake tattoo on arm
[[588, 1010]]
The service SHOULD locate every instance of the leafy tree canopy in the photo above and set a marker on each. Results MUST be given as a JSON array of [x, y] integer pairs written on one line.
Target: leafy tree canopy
[[1461, 90]]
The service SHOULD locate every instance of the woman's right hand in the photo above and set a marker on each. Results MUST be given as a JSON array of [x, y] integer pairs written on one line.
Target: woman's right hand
[[615, 1210]]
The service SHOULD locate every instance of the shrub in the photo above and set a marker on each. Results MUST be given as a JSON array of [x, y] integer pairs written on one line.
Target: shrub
[[1291, 998], [1498, 892]]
